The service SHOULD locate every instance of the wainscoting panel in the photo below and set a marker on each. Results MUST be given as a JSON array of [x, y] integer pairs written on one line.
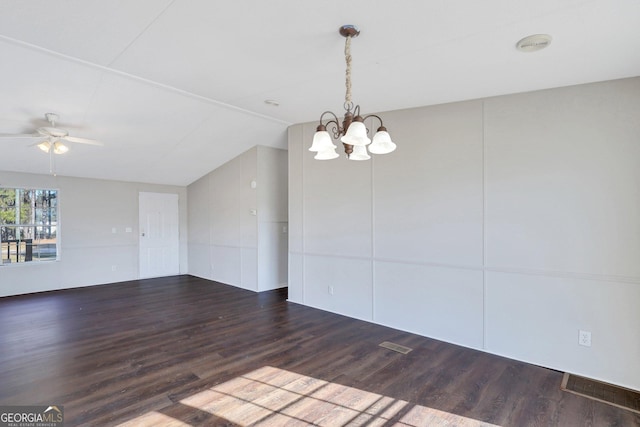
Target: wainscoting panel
[[249, 268], [200, 260], [272, 262], [338, 284], [537, 318], [118, 263], [442, 303], [41, 277], [296, 278], [226, 265]]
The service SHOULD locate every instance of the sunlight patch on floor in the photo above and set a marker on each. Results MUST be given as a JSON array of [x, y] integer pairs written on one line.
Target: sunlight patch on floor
[[271, 397]]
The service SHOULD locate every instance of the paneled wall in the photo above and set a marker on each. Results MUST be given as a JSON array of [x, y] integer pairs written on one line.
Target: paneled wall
[[505, 224], [91, 252], [238, 221]]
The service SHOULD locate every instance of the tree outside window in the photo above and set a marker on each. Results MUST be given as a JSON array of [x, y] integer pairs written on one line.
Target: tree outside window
[[28, 225]]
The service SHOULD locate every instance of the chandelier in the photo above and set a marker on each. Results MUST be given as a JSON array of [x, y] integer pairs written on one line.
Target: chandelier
[[352, 132]]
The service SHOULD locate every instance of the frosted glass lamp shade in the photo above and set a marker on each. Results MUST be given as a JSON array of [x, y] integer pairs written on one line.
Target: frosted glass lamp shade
[[44, 146], [327, 154], [382, 143], [322, 141], [356, 134], [59, 148], [359, 153]]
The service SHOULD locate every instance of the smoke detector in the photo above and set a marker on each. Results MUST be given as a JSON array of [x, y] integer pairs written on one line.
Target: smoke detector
[[534, 43]]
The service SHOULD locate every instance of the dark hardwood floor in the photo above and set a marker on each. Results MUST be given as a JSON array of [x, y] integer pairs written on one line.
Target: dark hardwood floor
[[183, 349]]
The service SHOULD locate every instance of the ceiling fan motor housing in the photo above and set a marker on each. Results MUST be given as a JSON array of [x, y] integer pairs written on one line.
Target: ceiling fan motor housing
[[53, 132]]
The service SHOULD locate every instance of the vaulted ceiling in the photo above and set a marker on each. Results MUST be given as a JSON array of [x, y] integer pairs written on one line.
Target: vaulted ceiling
[[175, 88]]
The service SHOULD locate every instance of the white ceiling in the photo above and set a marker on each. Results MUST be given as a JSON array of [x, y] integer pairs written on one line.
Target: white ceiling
[[175, 88]]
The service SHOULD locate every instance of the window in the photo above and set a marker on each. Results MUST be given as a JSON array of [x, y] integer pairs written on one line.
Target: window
[[28, 225]]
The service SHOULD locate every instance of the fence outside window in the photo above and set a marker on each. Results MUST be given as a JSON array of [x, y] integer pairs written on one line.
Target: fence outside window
[[28, 225]]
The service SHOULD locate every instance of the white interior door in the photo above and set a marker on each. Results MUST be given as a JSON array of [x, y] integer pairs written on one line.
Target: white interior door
[[159, 235]]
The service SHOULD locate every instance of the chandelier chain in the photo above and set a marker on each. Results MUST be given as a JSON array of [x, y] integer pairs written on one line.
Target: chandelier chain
[[347, 57]]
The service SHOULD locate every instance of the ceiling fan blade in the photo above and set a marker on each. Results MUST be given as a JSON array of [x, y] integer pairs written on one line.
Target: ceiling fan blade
[[82, 140], [19, 135]]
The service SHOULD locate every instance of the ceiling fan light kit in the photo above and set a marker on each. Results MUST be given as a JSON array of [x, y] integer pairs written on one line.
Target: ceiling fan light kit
[[58, 147], [352, 132]]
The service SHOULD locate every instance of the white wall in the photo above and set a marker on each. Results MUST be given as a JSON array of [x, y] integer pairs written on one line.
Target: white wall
[[228, 243], [88, 211], [273, 223], [506, 224]]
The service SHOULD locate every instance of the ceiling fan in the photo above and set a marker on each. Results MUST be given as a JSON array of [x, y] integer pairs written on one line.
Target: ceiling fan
[[52, 137]]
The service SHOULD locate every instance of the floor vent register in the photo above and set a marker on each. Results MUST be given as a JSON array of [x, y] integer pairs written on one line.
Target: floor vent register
[[395, 347], [603, 392]]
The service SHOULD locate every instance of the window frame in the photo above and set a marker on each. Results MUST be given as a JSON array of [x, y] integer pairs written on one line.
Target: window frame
[[37, 227]]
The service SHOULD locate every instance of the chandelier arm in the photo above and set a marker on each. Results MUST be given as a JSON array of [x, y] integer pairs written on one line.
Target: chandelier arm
[[373, 115], [332, 114], [336, 130]]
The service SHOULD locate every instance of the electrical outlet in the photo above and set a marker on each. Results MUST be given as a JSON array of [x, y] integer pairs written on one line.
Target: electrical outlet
[[114, 267], [584, 338], [330, 290]]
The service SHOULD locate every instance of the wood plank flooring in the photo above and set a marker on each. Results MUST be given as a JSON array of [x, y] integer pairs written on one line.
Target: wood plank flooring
[[186, 351]]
